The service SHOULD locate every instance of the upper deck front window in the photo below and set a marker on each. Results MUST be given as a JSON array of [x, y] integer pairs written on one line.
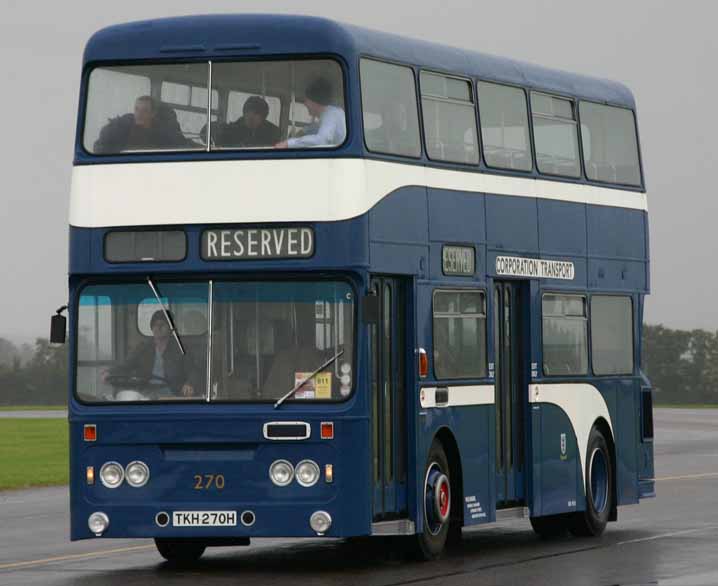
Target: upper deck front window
[[252, 105]]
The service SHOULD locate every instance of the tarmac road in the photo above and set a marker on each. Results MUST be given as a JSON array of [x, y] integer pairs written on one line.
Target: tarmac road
[[670, 540]]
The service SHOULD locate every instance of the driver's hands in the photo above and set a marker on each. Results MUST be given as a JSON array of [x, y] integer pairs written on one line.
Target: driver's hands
[[187, 390]]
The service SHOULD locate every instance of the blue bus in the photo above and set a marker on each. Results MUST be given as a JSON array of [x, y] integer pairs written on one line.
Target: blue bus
[[332, 282]]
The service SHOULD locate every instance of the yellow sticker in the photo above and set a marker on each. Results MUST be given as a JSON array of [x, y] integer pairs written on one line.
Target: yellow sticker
[[320, 387]]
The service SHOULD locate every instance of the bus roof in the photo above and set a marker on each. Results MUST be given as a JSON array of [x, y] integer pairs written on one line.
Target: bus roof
[[251, 35]]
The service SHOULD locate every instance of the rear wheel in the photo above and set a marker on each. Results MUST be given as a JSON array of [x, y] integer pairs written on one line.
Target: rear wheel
[[436, 504], [180, 551], [599, 493]]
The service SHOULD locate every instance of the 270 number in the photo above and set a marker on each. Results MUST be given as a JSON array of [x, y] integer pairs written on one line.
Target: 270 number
[[208, 481]]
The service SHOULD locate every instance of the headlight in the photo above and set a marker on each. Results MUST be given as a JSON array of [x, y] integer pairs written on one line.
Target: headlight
[[281, 472], [98, 523], [112, 474], [307, 473], [137, 473]]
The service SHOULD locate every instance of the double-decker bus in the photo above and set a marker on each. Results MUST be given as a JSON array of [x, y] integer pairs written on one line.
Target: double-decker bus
[[326, 281]]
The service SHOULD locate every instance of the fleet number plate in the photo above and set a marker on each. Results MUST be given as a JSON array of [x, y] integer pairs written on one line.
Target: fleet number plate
[[204, 518]]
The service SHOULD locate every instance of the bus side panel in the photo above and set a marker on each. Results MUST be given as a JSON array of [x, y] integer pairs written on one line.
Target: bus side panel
[[557, 480], [473, 429], [627, 437]]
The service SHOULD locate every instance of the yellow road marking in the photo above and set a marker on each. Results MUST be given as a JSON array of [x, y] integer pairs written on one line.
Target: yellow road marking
[[75, 556], [690, 476]]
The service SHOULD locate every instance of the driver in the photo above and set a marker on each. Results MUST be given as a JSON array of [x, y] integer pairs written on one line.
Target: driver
[[160, 361]]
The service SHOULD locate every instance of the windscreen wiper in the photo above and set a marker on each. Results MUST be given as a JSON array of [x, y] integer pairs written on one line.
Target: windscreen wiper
[[307, 379], [167, 315]]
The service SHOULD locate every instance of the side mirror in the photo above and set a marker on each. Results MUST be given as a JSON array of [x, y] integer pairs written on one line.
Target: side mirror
[[58, 326], [370, 308]]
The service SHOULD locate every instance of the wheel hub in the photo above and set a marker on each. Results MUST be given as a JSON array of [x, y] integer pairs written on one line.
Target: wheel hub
[[437, 493]]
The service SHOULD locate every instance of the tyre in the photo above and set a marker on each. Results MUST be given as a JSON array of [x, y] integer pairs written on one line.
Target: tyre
[[599, 489], [436, 504], [550, 527], [180, 551]]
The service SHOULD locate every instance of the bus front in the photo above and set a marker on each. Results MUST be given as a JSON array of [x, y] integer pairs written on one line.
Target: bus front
[[216, 279]]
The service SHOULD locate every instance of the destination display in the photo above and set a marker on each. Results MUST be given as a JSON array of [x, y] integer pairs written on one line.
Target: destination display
[[534, 268], [257, 243], [458, 260]]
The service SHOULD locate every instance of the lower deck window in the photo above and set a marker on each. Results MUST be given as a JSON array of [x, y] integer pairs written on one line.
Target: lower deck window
[[612, 334], [459, 334], [565, 335]]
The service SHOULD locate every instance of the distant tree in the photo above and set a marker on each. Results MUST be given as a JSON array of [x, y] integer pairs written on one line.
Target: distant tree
[[664, 361], [8, 352]]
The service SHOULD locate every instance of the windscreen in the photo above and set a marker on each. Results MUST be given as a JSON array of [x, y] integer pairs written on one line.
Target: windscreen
[[267, 339], [252, 105]]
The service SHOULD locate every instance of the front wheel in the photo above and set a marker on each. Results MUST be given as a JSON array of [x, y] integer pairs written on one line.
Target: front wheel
[[180, 551], [549, 527], [437, 504], [599, 489]]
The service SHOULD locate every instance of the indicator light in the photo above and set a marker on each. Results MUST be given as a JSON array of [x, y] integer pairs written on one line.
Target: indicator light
[[328, 473], [90, 432], [423, 363], [90, 474], [327, 430]]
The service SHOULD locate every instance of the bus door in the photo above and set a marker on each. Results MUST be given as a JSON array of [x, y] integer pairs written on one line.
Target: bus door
[[387, 340], [511, 369]]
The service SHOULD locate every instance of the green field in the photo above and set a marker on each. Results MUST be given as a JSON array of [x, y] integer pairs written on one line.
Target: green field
[[32, 407], [686, 405], [33, 453]]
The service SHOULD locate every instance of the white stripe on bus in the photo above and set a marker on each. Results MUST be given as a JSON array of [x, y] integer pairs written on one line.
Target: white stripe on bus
[[458, 396], [582, 403], [287, 190]]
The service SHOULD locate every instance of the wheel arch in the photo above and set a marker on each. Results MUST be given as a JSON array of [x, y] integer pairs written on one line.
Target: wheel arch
[[602, 425], [451, 449]]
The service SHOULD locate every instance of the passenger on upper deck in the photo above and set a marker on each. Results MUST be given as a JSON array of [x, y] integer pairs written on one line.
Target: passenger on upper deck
[[252, 129], [332, 129], [149, 127]]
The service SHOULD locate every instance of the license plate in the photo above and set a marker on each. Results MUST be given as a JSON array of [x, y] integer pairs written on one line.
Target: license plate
[[204, 518]]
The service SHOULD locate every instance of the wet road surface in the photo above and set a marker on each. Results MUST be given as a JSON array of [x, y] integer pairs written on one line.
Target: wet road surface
[[667, 541]]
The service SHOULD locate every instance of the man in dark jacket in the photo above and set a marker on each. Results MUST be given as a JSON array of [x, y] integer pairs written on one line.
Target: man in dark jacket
[[252, 129], [149, 127], [160, 361]]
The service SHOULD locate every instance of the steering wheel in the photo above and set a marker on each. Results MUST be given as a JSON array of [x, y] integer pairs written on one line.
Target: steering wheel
[[120, 381]]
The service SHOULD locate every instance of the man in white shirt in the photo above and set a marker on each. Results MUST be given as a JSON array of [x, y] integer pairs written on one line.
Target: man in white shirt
[[332, 128]]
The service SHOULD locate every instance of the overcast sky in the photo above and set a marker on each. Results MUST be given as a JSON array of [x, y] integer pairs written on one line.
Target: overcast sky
[[664, 51]]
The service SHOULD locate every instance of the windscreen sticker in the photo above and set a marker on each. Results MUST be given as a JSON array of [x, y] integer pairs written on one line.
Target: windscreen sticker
[[320, 387]]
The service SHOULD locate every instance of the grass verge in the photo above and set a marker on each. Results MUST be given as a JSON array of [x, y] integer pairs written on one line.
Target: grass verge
[[32, 407], [34, 453], [686, 405]]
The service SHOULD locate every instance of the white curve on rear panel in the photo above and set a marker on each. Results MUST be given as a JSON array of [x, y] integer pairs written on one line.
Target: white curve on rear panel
[[284, 190], [582, 403]]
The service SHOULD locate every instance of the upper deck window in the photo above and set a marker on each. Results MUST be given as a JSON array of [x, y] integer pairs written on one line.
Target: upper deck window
[[295, 104], [391, 119], [126, 111], [555, 135], [610, 146], [449, 119], [504, 126], [254, 105]]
